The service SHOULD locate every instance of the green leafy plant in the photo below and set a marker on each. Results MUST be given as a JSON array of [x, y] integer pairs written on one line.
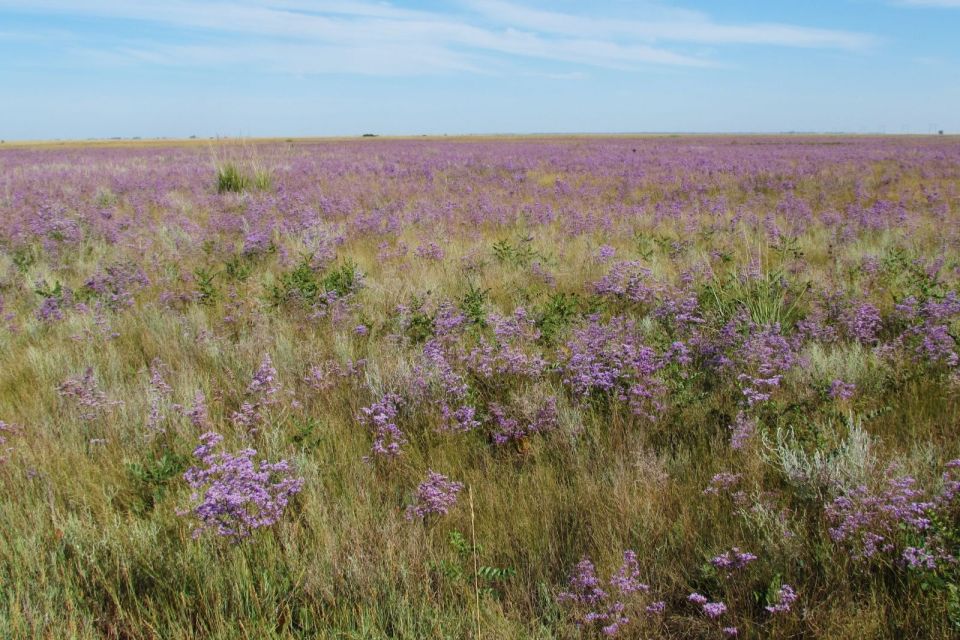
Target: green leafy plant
[[520, 254], [460, 569], [473, 304], [304, 284], [238, 268], [206, 285], [151, 479], [556, 314]]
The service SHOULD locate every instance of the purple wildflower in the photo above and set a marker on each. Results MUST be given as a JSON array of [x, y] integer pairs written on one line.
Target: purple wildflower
[[656, 608], [742, 431], [786, 596], [733, 560], [388, 439], [842, 390], [605, 252], [714, 609], [607, 608], [869, 522], [430, 251], [198, 414], [260, 394], [85, 391], [236, 495], [722, 483], [435, 496]]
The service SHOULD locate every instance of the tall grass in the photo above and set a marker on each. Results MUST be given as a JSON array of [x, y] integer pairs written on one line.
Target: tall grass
[[92, 540]]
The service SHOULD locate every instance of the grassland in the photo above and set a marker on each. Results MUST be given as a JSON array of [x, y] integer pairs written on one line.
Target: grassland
[[672, 346]]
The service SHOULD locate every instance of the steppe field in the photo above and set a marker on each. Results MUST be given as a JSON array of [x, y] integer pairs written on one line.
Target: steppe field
[[498, 388]]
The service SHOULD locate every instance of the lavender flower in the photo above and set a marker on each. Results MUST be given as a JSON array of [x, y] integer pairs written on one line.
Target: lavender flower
[[610, 359], [842, 390], [198, 414], [516, 429], [863, 323], [86, 393], [430, 251], [260, 394], [722, 483], [733, 560], [786, 596], [236, 495], [742, 431], [601, 608], [656, 608], [435, 496], [380, 417], [765, 358], [870, 522], [605, 252]]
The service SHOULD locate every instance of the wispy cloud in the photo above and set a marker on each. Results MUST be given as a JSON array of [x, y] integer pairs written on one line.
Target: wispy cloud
[[357, 36], [673, 26]]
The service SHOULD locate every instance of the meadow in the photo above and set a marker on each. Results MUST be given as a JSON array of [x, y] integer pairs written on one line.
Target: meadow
[[581, 387]]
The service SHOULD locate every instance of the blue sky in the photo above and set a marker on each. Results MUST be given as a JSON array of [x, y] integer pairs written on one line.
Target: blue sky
[[101, 68]]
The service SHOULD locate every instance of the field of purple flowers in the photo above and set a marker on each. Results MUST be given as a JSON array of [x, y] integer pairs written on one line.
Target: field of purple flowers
[[481, 388]]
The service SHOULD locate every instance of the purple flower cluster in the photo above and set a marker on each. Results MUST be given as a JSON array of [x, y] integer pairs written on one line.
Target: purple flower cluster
[[236, 495], [874, 525], [52, 307], [260, 393], [430, 251], [610, 359], [435, 496], [629, 281], [510, 355], [607, 608], [86, 393], [198, 414], [723, 482], [116, 285], [450, 389], [786, 596], [324, 376], [517, 428], [605, 252], [742, 431], [863, 323], [929, 337], [710, 609], [840, 390], [765, 357], [733, 560], [380, 417]]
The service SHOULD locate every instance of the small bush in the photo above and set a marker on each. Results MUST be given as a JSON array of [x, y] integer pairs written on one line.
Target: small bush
[[230, 179]]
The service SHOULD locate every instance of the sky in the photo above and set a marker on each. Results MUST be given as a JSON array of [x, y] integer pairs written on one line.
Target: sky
[[76, 69]]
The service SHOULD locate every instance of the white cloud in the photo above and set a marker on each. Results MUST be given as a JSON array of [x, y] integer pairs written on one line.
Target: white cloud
[[676, 26], [357, 36]]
